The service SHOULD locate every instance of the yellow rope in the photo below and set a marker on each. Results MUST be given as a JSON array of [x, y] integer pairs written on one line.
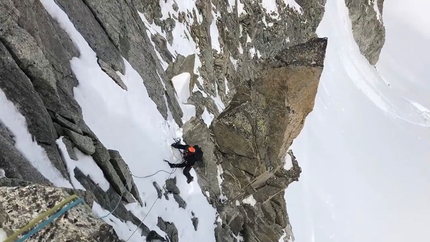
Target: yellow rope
[[39, 218]]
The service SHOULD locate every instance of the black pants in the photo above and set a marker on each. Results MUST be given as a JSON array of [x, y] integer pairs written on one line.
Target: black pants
[[186, 169]]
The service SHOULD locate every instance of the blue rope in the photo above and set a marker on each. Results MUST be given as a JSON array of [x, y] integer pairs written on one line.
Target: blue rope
[[119, 201], [50, 219], [116, 206], [141, 222], [122, 194], [151, 174]]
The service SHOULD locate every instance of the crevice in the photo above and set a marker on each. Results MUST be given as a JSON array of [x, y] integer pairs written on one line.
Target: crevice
[[17, 61], [100, 22], [247, 172], [44, 143]]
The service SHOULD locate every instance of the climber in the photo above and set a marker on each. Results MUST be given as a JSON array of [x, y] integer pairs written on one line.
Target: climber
[[190, 155]]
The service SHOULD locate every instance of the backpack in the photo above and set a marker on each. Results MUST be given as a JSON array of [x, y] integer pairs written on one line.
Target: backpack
[[198, 155]]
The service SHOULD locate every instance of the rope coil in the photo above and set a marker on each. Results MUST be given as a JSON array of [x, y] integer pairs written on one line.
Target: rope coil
[[41, 216], [50, 219]]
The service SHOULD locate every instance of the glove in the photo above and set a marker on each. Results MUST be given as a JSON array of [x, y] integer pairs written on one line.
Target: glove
[[175, 145], [170, 164]]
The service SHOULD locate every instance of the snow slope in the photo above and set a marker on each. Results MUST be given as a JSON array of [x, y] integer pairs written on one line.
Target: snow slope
[[364, 149], [128, 121]]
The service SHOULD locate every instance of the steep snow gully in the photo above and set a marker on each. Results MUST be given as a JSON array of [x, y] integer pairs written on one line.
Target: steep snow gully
[[364, 149]]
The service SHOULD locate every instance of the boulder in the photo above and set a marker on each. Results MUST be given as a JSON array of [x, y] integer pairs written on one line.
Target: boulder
[[169, 228], [65, 123], [195, 221], [154, 237], [158, 189], [82, 142], [171, 186], [69, 147], [102, 157], [180, 201]]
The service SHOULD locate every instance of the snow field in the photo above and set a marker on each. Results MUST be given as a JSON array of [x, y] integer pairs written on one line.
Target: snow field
[[365, 77], [355, 145]]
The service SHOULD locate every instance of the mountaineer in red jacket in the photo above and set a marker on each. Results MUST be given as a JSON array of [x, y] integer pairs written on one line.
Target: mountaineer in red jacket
[[190, 155]]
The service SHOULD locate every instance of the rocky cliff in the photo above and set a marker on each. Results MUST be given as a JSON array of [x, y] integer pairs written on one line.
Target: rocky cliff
[[367, 27], [35, 74], [247, 144], [254, 67]]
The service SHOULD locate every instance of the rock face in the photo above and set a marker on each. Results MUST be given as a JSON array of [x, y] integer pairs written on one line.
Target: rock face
[[248, 141], [246, 30], [109, 24], [78, 224], [124, 173], [35, 74], [367, 27], [254, 132], [109, 200], [169, 228], [265, 70]]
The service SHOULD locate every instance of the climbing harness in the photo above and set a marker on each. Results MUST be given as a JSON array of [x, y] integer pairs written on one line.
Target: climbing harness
[[42, 216]]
